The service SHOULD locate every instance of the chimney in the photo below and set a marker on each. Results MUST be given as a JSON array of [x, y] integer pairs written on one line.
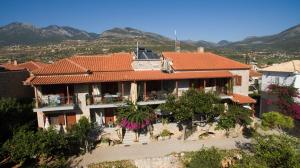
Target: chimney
[[200, 49], [15, 62]]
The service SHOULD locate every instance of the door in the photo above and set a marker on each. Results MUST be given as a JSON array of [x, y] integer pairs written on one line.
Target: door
[[109, 116], [71, 119]]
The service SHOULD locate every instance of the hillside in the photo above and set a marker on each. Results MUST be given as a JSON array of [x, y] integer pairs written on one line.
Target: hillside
[[288, 40], [24, 42], [19, 33]]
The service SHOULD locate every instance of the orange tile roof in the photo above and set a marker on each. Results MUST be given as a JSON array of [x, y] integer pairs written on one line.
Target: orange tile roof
[[86, 64], [32, 65], [241, 99], [124, 76], [202, 61], [12, 67]]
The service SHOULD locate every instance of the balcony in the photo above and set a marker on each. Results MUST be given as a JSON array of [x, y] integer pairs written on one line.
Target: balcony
[[55, 102], [107, 100]]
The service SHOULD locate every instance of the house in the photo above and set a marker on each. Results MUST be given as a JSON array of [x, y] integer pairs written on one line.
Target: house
[[284, 74], [12, 76], [96, 85], [254, 81]]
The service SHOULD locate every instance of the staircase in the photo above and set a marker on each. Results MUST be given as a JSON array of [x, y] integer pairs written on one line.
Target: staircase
[[129, 138]]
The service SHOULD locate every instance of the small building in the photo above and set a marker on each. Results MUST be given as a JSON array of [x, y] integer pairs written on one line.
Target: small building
[[284, 74], [12, 76]]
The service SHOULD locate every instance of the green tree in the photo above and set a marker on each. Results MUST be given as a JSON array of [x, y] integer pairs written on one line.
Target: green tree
[[278, 151], [51, 143], [13, 114], [81, 132], [234, 115], [22, 146]]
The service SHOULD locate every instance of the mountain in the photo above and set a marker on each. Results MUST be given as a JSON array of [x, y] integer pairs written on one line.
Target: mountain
[[21, 33], [286, 40], [132, 33], [223, 43]]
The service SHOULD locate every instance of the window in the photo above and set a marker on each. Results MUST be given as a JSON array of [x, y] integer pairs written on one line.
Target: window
[[237, 80]]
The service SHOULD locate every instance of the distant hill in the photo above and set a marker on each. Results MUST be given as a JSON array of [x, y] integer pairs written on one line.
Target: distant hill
[[288, 40], [21, 33]]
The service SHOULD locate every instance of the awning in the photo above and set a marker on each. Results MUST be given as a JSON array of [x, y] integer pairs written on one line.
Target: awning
[[241, 99]]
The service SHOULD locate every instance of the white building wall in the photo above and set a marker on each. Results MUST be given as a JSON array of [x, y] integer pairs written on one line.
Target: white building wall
[[82, 91], [244, 88], [281, 78]]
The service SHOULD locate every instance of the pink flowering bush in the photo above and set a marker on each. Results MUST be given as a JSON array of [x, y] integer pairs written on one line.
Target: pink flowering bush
[[285, 99], [134, 117]]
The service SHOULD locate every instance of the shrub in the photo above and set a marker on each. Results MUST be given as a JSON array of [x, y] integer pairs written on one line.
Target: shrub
[[206, 158], [277, 120], [277, 151], [22, 146], [249, 161], [81, 132], [234, 115], [51, 143]]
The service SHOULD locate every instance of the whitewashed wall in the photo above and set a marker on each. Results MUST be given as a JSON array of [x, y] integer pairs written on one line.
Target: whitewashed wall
[[244, 88]]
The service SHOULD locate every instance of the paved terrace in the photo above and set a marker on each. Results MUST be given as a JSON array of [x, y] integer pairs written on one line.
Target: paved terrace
[[154, 149]]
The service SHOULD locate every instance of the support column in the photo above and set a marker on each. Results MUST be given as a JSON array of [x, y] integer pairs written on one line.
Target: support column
[[68, 95], [122, 89], [133, 92], [36, 98], [204, 84], [176, 85], [145, 90]]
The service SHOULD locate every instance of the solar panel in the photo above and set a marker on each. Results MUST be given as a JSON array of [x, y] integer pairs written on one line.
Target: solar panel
[[144, 53]]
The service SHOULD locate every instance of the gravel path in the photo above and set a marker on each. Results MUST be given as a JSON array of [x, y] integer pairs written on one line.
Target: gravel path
[[154, 149]]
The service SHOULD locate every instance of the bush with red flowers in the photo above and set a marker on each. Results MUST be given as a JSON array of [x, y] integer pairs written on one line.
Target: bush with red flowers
[[285, 101]]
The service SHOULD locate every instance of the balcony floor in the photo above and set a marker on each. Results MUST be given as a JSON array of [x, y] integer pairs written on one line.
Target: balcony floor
[[55, 108]]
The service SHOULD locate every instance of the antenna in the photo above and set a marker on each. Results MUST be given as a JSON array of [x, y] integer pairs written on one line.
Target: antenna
[[175, 33], [177, 43], [137, 49]]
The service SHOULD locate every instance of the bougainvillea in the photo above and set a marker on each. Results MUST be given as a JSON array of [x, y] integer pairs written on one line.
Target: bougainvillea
[[134, 125], [134, 117], [285, 99]]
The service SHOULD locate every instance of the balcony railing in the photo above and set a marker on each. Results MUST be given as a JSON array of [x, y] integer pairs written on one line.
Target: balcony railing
[[104, 99], [154, 95], [56, 101]]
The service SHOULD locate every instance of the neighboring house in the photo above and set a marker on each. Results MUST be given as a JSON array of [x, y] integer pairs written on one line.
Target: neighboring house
[[284, 74], [12, 76], [95, 86], [254, 81]]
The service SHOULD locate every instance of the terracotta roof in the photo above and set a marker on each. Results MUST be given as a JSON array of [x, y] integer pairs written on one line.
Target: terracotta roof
[[86, 64], [32, 65], [202, 61], [241, 99], [254, 73], [291, 66], [12, 67], [124, 76]]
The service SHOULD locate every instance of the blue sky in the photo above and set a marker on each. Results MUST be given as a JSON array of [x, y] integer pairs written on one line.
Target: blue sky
[[210, 20]]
